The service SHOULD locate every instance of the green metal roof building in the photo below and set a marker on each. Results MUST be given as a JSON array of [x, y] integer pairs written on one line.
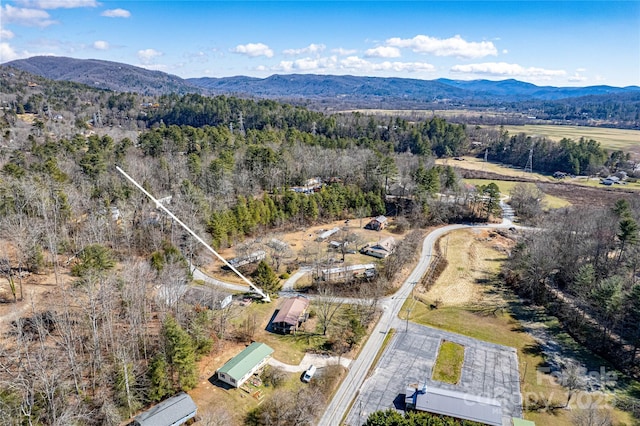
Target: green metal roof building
[[239, 368]]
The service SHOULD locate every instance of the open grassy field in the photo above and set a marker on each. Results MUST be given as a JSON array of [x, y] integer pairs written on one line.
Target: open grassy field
[[506, 186], [448, 366], [421, 114], [595, 182], [495, 314], [612, 139], [473, 163]]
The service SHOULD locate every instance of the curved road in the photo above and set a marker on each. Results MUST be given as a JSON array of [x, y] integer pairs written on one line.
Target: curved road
[[339, 405]]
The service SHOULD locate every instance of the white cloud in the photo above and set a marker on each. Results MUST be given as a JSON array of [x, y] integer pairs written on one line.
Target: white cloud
[[307, 64], [253, 50], [505, 51], [355, 63], [147, 55], [6, 34], [454, 46], [350, 64], [7, 53], [312, 49], [344, 52], [58, 4], [27, 17], [101, 45], [383, 52], [577, 77], [116, 13], [505, 69]]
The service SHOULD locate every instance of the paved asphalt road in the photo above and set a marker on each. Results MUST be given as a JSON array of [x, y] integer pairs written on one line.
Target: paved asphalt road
[[337, 408]]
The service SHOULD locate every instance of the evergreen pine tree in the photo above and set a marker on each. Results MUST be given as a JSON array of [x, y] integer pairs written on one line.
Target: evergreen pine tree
[[159, 377], [265, 278], [181, 355]]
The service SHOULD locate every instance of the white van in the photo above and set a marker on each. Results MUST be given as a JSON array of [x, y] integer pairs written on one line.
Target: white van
[[308, 375]]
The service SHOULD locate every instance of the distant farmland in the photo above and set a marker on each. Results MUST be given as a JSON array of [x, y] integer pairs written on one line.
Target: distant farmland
[[612, 139]]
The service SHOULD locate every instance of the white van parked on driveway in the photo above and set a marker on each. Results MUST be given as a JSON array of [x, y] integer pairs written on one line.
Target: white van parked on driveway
[[308, 375]]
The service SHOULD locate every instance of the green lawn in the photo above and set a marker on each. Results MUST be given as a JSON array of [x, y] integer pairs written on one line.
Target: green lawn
[[449, 362]]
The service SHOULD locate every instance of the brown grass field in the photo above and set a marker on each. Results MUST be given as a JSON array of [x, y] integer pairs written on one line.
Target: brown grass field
[[422, 114], [506, 186], [305, 248], [477, 164], [473, 302], [612, 139]]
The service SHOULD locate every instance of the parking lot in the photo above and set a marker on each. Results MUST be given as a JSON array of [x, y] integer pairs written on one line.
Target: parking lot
[[489, 370]]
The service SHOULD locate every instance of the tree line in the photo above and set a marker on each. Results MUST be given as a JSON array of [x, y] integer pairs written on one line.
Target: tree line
[[583, 266]]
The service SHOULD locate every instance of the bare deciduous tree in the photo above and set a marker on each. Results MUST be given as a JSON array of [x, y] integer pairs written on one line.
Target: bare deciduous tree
[[327, 305]]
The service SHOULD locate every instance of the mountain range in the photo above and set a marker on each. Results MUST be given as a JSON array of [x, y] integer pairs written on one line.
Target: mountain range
[[327, 88]]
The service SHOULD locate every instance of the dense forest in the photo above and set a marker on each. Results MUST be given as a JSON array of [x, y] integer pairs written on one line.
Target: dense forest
[[229, 166]]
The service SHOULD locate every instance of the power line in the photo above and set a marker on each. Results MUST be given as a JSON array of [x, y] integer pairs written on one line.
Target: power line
[[529, 167]]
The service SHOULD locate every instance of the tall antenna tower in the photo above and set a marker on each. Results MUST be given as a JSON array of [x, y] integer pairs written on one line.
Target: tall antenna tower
[[529, 167], [241, 124]]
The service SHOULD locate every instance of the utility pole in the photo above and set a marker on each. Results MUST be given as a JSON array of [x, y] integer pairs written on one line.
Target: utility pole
[[406, 328]]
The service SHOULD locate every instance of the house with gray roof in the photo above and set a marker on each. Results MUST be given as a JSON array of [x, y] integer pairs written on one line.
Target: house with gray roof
[[174, 411], [454, 404]]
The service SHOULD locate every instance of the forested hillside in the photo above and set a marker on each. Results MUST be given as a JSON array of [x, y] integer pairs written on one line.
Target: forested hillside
[[517, 102], [227, 164], [101, 342]]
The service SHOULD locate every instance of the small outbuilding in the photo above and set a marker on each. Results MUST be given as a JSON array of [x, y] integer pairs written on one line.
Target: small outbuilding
[[242, 366], [326, 234], [292, 313], [254, 257], [377, 224], [174, 411], [454, 404], [207, 297]]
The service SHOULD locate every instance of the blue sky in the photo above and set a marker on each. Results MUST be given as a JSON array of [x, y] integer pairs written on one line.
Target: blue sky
[[560, 43]]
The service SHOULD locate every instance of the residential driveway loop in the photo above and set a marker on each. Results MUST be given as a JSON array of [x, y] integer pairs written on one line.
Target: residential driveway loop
[[489, 370]]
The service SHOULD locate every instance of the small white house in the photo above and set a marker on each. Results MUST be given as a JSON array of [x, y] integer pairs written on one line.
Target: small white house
[[347, 272], [381, 249], [242, 366]]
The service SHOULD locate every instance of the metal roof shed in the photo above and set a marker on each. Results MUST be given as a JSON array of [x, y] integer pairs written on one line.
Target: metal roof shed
[[170, 412], [239, 368], [455, 404], [291, 314]]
